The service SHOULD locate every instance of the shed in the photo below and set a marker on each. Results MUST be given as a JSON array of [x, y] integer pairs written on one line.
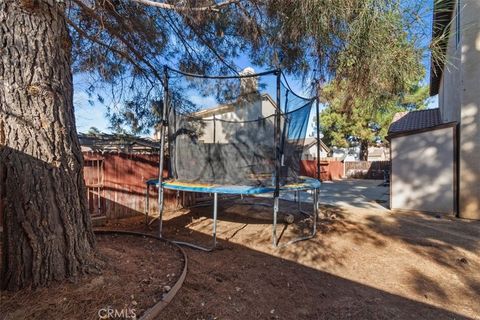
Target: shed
[[423, 162]]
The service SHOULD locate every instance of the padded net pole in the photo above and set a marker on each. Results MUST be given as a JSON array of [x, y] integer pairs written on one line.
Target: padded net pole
[[215, 209], [163, 125], [317, 111], [278, 146], [274, 224]]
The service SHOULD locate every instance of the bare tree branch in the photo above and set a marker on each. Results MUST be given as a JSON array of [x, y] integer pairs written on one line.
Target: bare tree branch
[[162, 5], [122, 54], [119, 36]]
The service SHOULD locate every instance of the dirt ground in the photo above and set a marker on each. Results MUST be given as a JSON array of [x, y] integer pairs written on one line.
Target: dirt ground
[[133, 279], [363, 263]]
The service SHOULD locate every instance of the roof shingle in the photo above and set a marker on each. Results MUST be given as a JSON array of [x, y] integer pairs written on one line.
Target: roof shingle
[[415, 120]]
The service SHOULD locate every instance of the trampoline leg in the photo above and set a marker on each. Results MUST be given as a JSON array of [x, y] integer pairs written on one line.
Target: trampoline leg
[[313, 216], [299, 201], [315, 211], [214, 231], [215, 206], [275, 213]]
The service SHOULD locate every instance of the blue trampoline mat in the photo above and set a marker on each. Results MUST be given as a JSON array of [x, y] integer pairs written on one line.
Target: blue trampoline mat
[[306, 183]]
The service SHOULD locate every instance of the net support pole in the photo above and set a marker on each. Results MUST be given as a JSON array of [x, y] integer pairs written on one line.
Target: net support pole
[[278, 114], [215, 212], [163, 125], [277, 146], [317, 111], [274, 230], [317, 191]]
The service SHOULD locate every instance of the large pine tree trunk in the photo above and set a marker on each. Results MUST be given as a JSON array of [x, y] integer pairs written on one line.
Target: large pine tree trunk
[[47, 233]]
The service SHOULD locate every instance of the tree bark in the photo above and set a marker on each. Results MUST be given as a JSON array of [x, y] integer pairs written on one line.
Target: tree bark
[[47, 232], [364, 150]]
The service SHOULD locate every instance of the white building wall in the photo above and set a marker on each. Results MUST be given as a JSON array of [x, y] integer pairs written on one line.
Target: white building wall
[[459, 100], [252, 110], [422, 176], [311, 153]]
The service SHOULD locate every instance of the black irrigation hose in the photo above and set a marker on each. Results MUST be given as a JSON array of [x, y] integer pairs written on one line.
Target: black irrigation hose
[[154, 311]]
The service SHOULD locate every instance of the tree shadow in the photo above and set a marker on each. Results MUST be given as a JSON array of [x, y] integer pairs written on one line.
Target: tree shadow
[[358, 193], [239, 281], [452, 246]]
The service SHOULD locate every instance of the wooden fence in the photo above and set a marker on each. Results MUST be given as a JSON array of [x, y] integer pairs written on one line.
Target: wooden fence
[[334, 169], [329, 170], [116, 184], [116, 181], [366, 169]]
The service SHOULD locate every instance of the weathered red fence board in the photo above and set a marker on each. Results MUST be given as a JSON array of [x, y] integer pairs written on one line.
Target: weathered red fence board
[[329, 170], [116, 184]]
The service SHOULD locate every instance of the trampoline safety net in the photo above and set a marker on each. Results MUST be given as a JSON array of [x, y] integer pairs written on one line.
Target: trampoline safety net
[[222, 130]]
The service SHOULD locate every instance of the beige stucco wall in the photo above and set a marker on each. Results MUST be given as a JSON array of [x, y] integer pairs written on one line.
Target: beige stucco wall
[[459, 100], [311, 153], [247, 111], [422, 176], [449, 101]]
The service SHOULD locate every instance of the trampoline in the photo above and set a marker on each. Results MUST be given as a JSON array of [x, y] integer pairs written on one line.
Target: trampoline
[[249, 144]]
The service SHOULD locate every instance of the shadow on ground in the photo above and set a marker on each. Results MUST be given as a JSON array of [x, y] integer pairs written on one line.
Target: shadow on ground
[[361, 264]]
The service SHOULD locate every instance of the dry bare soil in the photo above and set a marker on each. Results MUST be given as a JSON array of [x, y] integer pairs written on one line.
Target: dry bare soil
[[363, 264], [132, 280]]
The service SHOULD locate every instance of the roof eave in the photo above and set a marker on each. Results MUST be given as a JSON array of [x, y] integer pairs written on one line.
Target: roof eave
[[416, 131], [442, 16]]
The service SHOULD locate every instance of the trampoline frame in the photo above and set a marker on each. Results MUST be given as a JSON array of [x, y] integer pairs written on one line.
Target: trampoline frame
[[226, 190], [276, 190]]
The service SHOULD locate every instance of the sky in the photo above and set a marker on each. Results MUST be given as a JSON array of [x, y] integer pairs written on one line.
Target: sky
[[93, 114], [90, 113]]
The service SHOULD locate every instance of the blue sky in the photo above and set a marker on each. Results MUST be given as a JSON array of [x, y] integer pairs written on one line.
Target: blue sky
[[93, 114], [90, 113]]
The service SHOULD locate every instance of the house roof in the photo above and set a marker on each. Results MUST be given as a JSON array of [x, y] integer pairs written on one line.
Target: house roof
[[116, 142], [415, 121], [442, 16], [224, 108], [310, 142]]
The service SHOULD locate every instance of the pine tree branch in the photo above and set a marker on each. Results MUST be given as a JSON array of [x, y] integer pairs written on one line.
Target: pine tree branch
[[120, 53], [117, 34], [162, 5]]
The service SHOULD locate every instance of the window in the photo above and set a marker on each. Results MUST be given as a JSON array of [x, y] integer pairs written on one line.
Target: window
[[457, 25]]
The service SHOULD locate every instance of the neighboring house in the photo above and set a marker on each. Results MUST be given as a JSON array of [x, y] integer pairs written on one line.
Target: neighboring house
[[103, 142], [310, 149], [436, 153], [346, 154], [378, 154], [254, 107]]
